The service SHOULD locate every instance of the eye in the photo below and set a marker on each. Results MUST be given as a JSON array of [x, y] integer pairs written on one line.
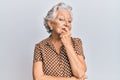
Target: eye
[[69, 21], [61, 19]]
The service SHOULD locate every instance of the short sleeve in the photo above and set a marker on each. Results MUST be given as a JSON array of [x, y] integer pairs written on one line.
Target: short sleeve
[[78, 47], [37, 54]]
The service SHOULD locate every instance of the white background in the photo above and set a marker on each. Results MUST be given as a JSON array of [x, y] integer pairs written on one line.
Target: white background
[[96, 22]]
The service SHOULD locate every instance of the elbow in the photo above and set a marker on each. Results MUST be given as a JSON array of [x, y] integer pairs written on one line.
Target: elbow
[[77, 74], [38, 77], [41, 78], [80, 72]]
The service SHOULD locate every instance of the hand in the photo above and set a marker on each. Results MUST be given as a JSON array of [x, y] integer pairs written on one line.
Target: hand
[[74, 78], [66, 37], [84, 77]]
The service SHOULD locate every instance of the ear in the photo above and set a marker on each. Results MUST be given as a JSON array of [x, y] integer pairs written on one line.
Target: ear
[[50, 24]]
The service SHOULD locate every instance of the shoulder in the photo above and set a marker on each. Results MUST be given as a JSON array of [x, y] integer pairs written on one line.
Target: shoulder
[[42, 43], [77, 40]]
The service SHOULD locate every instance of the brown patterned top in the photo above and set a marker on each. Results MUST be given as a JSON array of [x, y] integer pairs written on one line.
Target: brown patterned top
[[55, 64]]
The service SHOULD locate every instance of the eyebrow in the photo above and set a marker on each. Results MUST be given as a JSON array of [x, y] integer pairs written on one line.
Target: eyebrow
[[64, 17]]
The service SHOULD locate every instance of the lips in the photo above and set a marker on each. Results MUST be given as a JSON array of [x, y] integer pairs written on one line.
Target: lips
[[63, 28]]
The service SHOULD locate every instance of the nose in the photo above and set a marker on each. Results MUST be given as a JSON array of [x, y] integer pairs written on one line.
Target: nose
[[66, 23]]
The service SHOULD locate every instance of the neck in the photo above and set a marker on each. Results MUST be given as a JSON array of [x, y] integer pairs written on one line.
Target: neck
[[55, 38]]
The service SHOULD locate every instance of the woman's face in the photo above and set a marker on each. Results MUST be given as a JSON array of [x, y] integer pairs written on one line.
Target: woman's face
[[62, 20]]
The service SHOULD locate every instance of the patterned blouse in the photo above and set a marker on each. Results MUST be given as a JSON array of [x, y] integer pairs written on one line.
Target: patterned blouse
[[55, 64]]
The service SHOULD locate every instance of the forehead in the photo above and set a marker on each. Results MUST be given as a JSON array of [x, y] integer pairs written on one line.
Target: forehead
[[63, 13]]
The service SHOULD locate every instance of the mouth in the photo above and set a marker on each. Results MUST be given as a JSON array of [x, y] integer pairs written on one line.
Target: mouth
[[63, 28]]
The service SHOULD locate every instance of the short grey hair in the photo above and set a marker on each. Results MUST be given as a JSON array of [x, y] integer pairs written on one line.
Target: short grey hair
[[52, 14]]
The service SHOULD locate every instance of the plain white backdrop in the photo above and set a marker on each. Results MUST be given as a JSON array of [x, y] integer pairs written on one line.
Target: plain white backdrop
[[96, 22]]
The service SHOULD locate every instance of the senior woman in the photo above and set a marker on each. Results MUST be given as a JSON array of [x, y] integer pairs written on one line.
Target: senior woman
[[60, 56]]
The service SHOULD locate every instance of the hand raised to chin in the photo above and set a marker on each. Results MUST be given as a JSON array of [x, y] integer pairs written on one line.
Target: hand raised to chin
[[66, 37]]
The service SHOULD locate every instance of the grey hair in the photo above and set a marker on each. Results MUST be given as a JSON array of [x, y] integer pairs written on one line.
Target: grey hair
[[52, 14]]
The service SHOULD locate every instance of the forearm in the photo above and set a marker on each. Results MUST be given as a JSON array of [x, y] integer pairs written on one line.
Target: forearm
[[45, 77], [38, 74], [78, 67]]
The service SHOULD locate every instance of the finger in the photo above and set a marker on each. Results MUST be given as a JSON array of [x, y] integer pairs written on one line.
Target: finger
[[66, 33], [65, 29], [62, 35]]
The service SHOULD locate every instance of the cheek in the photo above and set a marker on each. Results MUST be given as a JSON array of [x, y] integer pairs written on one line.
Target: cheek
[[57, 24], [70, 28], [57, 28]]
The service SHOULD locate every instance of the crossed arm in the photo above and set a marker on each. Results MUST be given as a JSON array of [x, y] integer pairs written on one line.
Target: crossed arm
[[39, 75], [77, 64]]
